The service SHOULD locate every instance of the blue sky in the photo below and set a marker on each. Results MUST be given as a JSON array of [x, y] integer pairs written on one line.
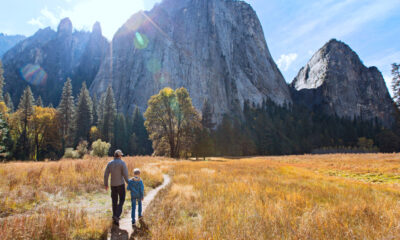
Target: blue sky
[[294, 29]]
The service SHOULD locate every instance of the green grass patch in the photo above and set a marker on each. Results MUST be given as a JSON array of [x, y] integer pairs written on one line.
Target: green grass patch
[[366, 177]]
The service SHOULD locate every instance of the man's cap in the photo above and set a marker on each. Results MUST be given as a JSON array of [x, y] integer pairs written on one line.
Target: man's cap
[[118, 152]]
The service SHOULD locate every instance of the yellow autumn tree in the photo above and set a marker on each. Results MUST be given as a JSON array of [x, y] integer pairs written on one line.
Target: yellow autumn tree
[[4, 110], [44, 130]]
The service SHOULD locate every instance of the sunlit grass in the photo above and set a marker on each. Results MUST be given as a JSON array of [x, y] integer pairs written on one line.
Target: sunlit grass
[[289, 197], [61, 200], [279, 198]]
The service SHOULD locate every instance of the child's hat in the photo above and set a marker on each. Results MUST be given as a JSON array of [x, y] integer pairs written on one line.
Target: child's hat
[[136, 170]]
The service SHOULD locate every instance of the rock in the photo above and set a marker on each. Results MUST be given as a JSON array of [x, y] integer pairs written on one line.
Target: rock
[[214, 48], [95, 52], [336, 82], [65, 27], [45, 60], [8, 41], [96, 30]]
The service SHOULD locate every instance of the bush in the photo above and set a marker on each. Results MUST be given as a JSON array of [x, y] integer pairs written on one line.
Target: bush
[[71, 153], [82, 148], [100, 148]]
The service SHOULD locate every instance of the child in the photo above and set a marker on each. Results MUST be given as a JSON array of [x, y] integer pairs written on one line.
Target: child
[[135, 185]]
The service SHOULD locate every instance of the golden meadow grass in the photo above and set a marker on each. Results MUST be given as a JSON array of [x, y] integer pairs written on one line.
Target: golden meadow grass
[[64, 200], [291, 197]]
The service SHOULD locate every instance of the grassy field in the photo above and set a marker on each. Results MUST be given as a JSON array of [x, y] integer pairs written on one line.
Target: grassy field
[[61, 200], [291, 197]]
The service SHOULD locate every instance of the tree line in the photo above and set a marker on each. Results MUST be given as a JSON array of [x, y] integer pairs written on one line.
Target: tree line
[[171, 126], [177, 130], [33, 131]]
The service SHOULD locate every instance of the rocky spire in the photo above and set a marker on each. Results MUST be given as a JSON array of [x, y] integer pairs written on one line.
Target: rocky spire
[[65, 27], [97, 29]]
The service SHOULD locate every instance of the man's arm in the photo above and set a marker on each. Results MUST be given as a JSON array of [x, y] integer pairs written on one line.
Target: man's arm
[[125, 173], [106, 176]]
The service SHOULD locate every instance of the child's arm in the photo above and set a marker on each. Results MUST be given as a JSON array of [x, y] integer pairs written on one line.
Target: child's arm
[[129, 187], [142, 189]]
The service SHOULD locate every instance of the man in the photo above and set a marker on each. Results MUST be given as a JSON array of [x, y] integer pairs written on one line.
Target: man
[[119, 172]]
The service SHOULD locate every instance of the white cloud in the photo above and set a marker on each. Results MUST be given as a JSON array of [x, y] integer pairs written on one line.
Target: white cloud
[[50, 16], [36, 22], [47, 18], [286, 60]]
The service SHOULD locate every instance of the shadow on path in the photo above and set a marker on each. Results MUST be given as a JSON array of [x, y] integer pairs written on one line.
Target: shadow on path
[[124, 231]]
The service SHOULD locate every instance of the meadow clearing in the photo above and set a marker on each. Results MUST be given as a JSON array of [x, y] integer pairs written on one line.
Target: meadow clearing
[[354, 196], [61, 200]]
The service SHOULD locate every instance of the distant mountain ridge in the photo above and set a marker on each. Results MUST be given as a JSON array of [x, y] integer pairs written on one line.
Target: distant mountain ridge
[[8, 41], [45, 60], [214, 48]]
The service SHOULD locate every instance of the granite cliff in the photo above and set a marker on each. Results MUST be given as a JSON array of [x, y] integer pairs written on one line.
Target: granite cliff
[[45, 60], [214, 48], [335, 81]]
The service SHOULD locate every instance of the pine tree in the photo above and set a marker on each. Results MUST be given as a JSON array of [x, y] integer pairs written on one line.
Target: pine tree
[[26, 109], [39, 102], [139, 139], [1, 81], [83, 115], [207, 115], [9, 103], [108, 113], [95, 107], [396, 83], [120, 139], [5, 138], [66, 109]]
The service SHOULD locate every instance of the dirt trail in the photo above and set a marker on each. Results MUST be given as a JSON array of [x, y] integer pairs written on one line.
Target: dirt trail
[[125, 224]]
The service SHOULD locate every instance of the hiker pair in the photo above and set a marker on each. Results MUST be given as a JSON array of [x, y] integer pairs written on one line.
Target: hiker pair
[[119, 175]]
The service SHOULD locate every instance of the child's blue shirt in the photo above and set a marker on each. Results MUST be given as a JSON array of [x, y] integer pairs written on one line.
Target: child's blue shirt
[[135, 185]]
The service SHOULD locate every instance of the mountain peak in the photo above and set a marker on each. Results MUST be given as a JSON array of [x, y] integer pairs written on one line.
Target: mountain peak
[[336, 81], [96, 28], [337, 47], [65, 26]]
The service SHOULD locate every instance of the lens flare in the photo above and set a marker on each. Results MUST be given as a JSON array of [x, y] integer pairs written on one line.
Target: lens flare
[[34, 74], [153, 65], [162, 77], [140, 41]]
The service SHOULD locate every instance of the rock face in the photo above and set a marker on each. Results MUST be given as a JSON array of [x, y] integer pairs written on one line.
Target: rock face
[[214, 48], [45, 60], [8, 41], [336, 82]]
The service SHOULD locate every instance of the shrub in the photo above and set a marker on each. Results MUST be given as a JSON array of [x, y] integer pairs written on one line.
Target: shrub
[[82, 148], [71, 153], [100, 148]]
